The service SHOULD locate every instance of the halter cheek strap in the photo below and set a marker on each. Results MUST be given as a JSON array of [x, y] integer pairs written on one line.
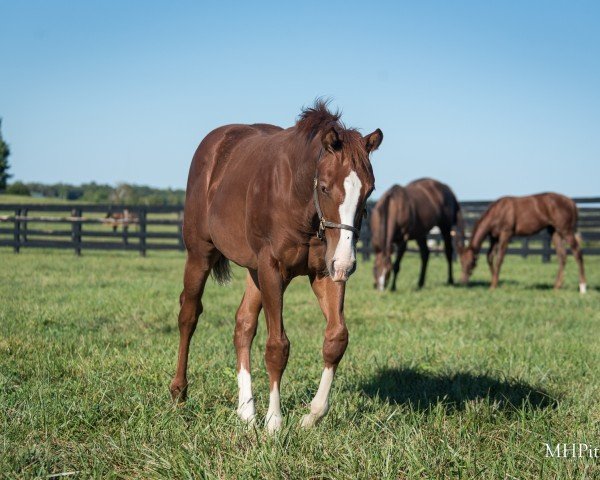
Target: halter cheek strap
[[323, 224]]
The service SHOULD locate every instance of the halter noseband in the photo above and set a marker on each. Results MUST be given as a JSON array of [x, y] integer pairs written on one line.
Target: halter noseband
[[323, 224]]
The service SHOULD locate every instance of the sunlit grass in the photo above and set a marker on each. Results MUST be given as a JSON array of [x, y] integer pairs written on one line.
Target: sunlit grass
[[442, 382]]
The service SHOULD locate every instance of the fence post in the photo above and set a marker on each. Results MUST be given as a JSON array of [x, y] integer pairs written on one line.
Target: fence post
[[17, 231], [76, 230], [525, 247], [546, 252], [24, 213], [142, 220], [180, 230]]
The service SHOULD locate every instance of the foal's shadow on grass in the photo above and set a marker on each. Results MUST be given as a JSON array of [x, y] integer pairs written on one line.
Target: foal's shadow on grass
[[550, 286], [483, 284], [540, 286], [422, 391]]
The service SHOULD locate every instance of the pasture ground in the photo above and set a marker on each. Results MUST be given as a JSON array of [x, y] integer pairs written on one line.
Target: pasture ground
[[446, 382]]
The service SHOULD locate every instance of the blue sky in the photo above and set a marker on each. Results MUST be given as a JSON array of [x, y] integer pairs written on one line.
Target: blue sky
[[492, 98]]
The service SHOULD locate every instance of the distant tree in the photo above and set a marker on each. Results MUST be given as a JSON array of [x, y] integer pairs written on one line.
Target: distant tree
[[18, 188], [123, 194], [4, 166]]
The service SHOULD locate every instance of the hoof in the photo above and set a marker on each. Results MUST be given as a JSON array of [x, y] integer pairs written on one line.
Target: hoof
[[247, 414], [582, 288], [178, 392], [249, 422], [273, 424], [309, 420]]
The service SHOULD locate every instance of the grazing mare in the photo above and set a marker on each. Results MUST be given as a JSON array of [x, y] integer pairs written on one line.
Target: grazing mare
[[524, 216], [409, 213], [281, 203]]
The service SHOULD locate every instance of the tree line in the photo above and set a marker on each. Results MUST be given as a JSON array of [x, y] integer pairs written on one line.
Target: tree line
[[122, 193]]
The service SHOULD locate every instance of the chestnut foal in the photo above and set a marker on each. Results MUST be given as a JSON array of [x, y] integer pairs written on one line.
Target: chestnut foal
[[524, 216], [281, 203]]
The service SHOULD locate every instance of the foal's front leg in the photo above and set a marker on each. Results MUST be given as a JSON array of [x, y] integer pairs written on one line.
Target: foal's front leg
[[331, 299], [277, 350]]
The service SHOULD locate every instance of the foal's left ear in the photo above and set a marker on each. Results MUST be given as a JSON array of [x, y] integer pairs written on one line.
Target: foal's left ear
[[373, 140]]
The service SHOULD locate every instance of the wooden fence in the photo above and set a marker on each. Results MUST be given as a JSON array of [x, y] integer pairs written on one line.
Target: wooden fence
[[81, 227]]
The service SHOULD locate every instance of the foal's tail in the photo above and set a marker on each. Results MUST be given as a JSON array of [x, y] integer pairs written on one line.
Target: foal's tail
[[221, 271]]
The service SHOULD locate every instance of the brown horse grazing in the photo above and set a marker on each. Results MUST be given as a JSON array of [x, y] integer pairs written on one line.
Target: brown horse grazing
[[409, 213], [524, 216], [281, 203], [124, 219]]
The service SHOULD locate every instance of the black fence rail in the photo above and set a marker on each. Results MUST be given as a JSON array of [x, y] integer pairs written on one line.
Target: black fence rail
[[140, 228]]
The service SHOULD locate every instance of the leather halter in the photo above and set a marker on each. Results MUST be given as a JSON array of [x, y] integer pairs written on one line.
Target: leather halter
[[323, 223]]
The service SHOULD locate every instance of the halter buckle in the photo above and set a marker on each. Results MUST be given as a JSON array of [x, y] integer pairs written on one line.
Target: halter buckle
[[321, 230]]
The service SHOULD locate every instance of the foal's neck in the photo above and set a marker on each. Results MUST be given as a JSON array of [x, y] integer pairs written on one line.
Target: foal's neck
[[303, 157], [480, 231]]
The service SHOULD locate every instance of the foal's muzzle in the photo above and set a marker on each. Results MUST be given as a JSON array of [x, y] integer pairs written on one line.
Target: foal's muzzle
[[340, 271]]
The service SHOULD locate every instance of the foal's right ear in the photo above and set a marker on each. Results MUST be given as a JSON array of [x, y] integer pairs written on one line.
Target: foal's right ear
[[331, 140]]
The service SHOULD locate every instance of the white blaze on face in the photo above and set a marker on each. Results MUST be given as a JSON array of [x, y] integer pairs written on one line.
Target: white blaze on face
[[245, 408], [345, 253], [381, 282]]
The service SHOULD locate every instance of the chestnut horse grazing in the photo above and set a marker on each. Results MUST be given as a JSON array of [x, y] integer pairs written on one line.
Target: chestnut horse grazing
[[524, 216], [281, 203], [409, 213]]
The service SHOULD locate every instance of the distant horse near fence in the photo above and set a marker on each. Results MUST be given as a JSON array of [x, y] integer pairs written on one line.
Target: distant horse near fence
[[409, 213], [122, 219], [523, 216]]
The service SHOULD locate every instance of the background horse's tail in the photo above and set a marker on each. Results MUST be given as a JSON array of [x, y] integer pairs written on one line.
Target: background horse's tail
[[221, 271], [459, 228]]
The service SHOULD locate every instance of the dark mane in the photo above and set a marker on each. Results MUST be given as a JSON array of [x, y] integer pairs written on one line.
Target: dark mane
[[315, 119]]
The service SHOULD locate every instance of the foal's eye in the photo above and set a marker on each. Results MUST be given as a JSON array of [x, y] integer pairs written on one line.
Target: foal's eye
[[324, 190]]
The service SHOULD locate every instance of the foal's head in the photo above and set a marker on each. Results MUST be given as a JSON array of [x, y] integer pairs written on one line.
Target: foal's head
[[382, 268], [344, 182], [468, 262]]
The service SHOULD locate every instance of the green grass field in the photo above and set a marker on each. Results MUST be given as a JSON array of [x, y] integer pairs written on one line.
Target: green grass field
[[446, 382]]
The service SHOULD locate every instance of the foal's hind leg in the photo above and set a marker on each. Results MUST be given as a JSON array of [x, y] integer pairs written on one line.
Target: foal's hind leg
[[561, 253], [197, 269], [331, 299], [424, 249], [246, 320], [448, 249], [578, 254]]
